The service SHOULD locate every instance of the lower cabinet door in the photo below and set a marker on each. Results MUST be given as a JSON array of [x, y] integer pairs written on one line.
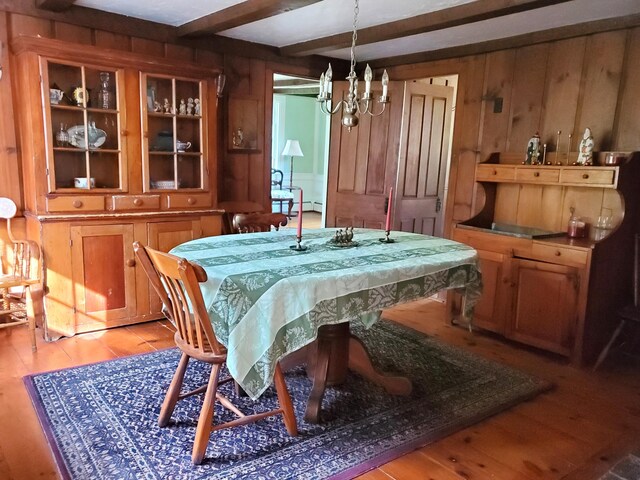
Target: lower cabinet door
[[489, 312], [103, 275], [545, 307], [164, 236]]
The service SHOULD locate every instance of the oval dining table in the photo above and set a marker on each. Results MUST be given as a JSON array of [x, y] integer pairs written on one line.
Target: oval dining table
[[268, 301]]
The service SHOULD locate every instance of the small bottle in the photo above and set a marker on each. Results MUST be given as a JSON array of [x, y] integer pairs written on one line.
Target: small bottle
[[576, 228], [104, 95]]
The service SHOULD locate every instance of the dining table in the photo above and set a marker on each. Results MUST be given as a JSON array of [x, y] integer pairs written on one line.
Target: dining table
[[269, 301]]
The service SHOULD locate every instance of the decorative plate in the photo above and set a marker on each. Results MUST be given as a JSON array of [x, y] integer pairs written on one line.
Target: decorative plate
[[97, 137]]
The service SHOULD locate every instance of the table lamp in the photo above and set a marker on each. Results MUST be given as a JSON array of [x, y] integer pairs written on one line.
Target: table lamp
[[292, 149]]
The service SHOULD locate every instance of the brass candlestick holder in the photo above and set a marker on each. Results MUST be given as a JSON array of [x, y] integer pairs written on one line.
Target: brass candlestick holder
[[297, 247], [386, 238]]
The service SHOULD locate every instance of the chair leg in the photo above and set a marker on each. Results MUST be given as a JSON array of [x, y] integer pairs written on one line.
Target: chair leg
[[203, 431], [284, 399], [605, 350], [291, 207], [31, 317], [173, 393]]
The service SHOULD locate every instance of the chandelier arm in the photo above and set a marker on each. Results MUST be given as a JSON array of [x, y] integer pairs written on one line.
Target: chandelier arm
[[384, 106]]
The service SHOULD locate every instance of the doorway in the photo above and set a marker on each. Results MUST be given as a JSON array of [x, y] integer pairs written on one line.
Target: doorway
[[298, 122], [408, 148]]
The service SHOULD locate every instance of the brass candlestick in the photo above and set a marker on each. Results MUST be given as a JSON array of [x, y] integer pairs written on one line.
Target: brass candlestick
[[297, 247], [568, 149], [386, 238], [558, 161], [544, 154]]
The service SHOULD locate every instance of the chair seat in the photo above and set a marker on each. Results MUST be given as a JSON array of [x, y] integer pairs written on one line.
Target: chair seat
[[281, 195]]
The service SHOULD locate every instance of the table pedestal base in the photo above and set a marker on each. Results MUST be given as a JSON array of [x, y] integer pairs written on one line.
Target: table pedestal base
[[328, 359]]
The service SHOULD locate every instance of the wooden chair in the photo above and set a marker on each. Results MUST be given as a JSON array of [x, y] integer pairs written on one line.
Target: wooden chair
[[629, 313], [258, 222], [231, 208], [279, 194], [176, 281], [20, 286]]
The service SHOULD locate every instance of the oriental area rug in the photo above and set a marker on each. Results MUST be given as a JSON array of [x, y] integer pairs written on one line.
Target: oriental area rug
[[101, 419]]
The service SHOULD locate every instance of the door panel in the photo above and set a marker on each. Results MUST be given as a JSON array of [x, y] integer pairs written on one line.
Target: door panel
[[424, 154], [363, 162]]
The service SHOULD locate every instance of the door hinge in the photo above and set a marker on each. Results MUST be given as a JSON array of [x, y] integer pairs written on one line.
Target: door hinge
[[47, 171], [75, 310], [438, 204], [70, 242]]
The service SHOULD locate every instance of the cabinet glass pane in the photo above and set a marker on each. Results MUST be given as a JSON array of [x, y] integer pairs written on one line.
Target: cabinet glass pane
[[65, 79], [188, 98], [100, 86], [160, 95], [189, 171], [162, 171], [160, 129], [188, 132], [104, 167], [69, 164]]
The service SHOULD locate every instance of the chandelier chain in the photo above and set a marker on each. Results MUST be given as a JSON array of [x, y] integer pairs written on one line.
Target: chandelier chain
[[356, 10]]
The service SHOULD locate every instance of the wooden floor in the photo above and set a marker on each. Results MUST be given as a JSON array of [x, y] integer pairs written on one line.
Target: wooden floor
[[573, 432]]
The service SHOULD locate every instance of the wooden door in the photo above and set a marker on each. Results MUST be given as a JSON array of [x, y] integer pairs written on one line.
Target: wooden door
[[424, 155], [545, 306], [489, 313], [103, 275], [363, 162]]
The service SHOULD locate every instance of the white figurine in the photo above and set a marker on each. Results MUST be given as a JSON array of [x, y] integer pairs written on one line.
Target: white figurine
[[183, 107], [167, 106], [585, 151], [157, 107], [190, 106], [196, 101]]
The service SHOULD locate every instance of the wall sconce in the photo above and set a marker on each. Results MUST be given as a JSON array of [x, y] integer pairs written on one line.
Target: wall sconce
[[222, 79]]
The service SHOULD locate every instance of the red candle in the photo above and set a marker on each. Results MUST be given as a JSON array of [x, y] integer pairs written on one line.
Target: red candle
[[300, 216], [388, 227]]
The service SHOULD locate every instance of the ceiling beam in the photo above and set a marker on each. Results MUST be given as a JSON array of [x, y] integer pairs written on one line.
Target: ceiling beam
[[543, 36], [54, 5], [240, 14], [428, 22]]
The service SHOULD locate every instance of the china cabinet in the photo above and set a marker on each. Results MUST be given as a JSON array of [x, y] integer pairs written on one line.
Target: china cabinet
[[541, 287], [104, 166]]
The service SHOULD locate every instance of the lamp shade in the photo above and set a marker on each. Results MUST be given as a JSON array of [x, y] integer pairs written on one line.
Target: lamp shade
[[292, 149]]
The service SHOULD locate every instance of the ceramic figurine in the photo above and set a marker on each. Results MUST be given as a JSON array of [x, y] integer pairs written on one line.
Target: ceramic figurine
[[533, 150], [238, 138], [157, 107], [183, 107], [196, 107], [585, 151], [167, 106], [190, 106]]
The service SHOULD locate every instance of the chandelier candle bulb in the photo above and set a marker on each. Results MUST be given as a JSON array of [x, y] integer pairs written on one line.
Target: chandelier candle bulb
[[385, 85], [368, 76]]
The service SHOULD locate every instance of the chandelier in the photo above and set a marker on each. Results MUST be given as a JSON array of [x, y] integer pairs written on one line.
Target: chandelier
[[354, 104]]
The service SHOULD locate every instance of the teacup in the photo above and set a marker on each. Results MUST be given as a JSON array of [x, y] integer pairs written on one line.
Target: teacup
[[55, 96], [81, 182], [182, 146]]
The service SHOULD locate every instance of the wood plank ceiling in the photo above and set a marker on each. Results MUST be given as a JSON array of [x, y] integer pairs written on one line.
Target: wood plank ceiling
[[246, 21]]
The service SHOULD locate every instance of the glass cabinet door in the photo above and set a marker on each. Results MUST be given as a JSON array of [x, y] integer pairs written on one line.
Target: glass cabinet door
[[82, 111], [173, 138]]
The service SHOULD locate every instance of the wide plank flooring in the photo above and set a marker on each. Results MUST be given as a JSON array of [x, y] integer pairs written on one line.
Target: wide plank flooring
[[574, 432]]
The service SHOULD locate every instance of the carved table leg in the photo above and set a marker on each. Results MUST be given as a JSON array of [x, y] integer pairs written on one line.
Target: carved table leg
[[314, 402]]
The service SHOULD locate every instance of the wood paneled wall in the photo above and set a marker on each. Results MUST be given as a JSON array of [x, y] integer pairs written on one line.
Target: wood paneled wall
[[567, 85], [564, 85]]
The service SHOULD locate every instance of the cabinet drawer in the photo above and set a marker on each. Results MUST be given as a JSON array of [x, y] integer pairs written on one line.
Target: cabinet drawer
[[495, 173], [184, 200], [538, 175], [558, 254], [591, 176], [75, 203], [135, 202]]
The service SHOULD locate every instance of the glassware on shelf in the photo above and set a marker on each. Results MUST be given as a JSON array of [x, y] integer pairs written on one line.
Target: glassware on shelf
[[62, 136], [104, 95]]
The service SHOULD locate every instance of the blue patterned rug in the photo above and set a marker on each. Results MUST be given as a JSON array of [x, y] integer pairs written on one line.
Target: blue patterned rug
[[101, 419]]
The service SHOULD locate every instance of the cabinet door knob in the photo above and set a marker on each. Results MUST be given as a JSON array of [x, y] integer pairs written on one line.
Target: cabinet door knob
[[585, 175], [137, 202], [536, 174], [77, 203], [191, 201], [495, 172], [558, 253], [131, 262]]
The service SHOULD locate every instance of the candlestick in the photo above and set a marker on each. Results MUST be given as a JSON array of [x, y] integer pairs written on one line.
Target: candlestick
[[558, 162], [297, 247], [299, 233], [568, 149], [544, 154]]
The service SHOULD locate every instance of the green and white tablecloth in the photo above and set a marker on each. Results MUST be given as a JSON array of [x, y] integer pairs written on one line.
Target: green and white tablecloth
[[266, 300]]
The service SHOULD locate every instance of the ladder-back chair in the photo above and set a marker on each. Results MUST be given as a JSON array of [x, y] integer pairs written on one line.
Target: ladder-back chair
[[20, 286], [177, 282], [258, 222], [629, 314], [280, 194]]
